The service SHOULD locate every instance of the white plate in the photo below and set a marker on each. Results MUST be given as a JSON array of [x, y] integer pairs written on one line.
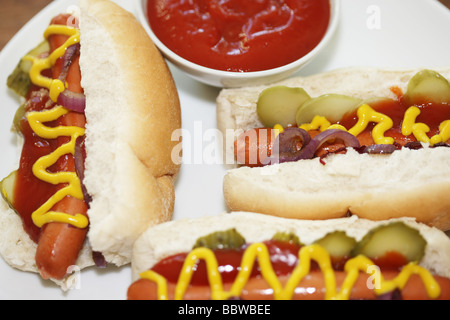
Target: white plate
[[377, 33]]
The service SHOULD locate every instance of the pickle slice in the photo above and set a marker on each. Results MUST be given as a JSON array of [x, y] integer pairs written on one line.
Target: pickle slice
[[338, 244], [19, 80], [228, 239], [279, 105], [331, 106], [7, 186], [287, 237], [393, 237], [19, 115], [427, 86]]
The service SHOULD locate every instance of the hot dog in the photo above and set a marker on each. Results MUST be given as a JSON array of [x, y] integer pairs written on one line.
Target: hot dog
[[245, 255], [95, 168], [339, 143]]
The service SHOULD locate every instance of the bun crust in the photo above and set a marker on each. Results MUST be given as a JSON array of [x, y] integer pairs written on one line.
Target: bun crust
[[406, 183], [154, 245], [132, 107], [371, 187], [129, 170]]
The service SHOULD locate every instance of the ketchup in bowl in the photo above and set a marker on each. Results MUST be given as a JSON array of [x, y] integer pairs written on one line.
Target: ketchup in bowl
[[240, 35]]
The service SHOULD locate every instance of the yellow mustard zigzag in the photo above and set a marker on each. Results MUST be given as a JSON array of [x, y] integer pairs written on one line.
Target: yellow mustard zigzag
[[307, 253], [44, 214], [366, 115]]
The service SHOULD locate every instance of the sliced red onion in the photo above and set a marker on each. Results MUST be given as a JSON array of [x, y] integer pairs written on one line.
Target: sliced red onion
[[340, 150], [380, 149], [72, 101], [348, 139], [414, 145], [99, 259], [441, 144], [286, 146], [393, 295], [289, 139], [79, 158], [288, 153], [67, 60]]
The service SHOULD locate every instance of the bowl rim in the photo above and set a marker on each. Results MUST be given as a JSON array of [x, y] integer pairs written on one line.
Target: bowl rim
[[180, 61]]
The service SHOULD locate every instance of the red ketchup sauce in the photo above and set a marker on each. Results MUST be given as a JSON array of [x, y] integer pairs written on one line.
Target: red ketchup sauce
[[283, 256], [240, 36], [30, 192], [432, 114]]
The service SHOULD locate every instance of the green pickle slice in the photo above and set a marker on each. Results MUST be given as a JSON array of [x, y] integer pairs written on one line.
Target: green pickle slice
[[19, 80], [428, 86], [394, 237], [228, 239], [331, 106], [338, 244], [287, 237], [7, 186], [279, 105]]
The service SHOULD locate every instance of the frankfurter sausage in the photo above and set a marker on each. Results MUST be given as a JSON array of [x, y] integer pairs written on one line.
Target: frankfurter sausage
[[250, 143], [59, 244], [312, 287]]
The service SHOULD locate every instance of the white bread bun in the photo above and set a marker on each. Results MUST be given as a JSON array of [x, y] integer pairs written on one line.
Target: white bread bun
[[132, 107], [412, 183], [179, 236], [406, 183]]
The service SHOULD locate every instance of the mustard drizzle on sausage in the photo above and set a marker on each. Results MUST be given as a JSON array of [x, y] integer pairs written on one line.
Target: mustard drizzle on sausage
[[366, 115], [37, 122], [306, 254], [55, 86]]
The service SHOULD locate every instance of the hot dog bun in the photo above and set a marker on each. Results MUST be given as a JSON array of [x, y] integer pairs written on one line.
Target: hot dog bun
[[372, 187], [154, 244], [129, 170], [132, 107]]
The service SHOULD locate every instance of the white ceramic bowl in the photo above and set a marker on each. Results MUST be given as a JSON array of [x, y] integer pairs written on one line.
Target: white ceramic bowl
[[220, 78]]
